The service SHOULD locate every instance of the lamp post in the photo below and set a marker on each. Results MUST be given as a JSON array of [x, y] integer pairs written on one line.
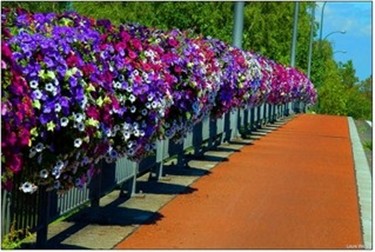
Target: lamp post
[[329, 34], [311, 42], [294, 36], [69, 6], [321, 21]]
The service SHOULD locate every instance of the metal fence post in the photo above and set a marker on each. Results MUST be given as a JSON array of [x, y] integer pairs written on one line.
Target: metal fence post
[[95, 188], [5, 212], [43, 217], [234, 123], [135, 166], [157, 171]]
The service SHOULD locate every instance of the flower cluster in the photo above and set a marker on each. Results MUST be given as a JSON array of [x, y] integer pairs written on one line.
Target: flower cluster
[[77, 91]]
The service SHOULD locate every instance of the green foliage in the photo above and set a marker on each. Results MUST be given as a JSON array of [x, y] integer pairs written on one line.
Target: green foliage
[[14, 239], [347, 73], [368, 145]]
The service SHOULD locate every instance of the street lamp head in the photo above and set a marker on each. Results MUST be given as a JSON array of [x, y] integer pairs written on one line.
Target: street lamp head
[[329, 34], [340, 51]]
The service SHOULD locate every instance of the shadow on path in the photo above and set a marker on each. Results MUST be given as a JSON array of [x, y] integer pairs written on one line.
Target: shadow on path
[[112, 214], [155, 187], [185, 171]]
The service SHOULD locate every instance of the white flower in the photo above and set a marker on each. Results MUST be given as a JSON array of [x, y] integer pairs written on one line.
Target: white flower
[[77, 142], [126, 126], [116, 128], [154, 104], [130, 144], [132, 98], [32, 152], [78, 117], [56, 172], [43, 173], [148, 105], [34, 84], [117, 85], [133, 109], [109, 133], [59, 165], [64, 121], [27, 187], [50, 87], [131, 152], [129, 89], [144, 112], [136, 133], [126, 135], [81, 126], [39, 147], [150, 97], [57, 107]]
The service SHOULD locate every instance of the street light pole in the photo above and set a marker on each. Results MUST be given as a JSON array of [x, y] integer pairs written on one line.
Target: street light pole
[[237, 42], [321, 21], [69, 6], [238, 24], [294, 38], [311, 42]]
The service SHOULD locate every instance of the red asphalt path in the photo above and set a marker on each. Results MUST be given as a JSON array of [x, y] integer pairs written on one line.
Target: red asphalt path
[[294, 188]]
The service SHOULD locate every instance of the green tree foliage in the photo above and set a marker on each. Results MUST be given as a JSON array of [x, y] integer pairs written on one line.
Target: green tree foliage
[[332, 97], [347, 73]]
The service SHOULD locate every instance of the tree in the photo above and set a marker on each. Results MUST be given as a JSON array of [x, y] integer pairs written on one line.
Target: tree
[[348, 74]]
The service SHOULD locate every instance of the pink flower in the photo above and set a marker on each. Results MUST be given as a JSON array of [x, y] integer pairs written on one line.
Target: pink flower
[[132, 54], [15, 163], [93, 112], [24, 137]]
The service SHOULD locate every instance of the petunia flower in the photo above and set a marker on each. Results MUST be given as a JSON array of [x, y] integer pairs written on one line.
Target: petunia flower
[[64, 121], [28, 187], [43, 173], [77, 142]]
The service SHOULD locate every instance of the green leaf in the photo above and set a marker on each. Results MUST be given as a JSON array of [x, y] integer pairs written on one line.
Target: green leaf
[[51, 126], [36, 104], [34, 131], [92, 122], [99, 101]]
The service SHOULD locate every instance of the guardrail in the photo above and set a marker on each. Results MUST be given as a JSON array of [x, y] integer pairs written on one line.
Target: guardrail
[[36, 211]]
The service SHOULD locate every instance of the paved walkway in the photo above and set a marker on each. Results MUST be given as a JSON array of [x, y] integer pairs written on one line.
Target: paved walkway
[[293, 188]]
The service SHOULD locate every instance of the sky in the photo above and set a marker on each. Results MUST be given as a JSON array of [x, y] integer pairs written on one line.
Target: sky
[[356, 19]]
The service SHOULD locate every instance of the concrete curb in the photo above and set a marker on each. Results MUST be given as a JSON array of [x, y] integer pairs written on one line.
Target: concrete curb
[[364, 184]]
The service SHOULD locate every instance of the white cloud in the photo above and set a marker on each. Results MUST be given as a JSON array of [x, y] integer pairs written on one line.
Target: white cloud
[[354, 17]]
